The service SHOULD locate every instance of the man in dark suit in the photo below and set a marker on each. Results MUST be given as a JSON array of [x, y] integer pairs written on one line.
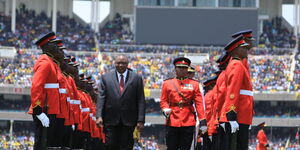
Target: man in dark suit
[[120, 105]]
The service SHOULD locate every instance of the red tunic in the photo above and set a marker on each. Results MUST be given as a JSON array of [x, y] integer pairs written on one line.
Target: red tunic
[[262, 140], [239, 96], [74, 102], [182, 116], [45, 85], [63, 92], [70, 95], [210, 111], [220, 95]]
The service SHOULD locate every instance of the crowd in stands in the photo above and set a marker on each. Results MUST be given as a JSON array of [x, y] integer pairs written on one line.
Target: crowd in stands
[[30, 25], [296, 81], [17, 70], [17, 142], [276, 35], [22, 137], [116, 31], [269, 73]]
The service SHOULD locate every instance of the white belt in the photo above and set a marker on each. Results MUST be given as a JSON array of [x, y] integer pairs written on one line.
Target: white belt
[[51, 86], [246, 92], [85, 110], [78, 102], [61, 90]]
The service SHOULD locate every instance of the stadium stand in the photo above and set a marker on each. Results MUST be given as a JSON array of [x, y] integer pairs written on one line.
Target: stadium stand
[[30, 25], [295, 86], [276, 35], [269, 73], [274, 69], [116, 31]]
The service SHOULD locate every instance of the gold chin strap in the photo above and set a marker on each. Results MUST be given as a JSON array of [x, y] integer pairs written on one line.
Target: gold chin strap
[[71, 75], [50, 55], [57, 62], [66, 74], [181, 78], [236, 58]]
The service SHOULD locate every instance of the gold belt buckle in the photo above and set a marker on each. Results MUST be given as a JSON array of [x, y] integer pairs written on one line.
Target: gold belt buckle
[[180, 104]]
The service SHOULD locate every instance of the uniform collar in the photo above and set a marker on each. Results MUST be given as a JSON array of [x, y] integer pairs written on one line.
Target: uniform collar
[[183, 78]]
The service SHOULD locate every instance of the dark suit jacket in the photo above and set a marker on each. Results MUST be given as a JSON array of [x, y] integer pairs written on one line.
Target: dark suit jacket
[[127, 107]]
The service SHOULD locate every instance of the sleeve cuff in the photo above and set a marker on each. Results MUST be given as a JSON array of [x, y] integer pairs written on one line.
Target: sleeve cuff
[[37, 110], [203, 122], [231, 115]]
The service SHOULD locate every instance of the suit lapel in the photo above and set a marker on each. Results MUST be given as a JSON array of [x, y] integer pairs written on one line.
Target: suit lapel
[[116, 81]]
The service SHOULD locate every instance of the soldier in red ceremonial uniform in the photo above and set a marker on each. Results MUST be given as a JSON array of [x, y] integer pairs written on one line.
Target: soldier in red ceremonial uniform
[[177, 98], [95, 131], [220, 99], [45, 97], [262, 138], [85, 111], [191, 72], [65, 119], [238, 105], [209, 99], [248, 37]]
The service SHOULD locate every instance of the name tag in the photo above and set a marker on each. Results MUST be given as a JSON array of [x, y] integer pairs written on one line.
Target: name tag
[[188, 87]]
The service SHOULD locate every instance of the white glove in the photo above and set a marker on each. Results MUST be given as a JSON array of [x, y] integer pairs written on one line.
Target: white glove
[[234, 126], [91, 115], [73, 127], [223, 126], [167, 112], [250, 127], [210, 138], [44, 119], [203, 129]]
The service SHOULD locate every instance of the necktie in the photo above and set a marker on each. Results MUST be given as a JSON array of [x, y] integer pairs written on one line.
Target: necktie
[[122, 83]]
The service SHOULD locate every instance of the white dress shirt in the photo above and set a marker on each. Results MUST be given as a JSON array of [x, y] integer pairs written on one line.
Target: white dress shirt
[[124, 76]]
